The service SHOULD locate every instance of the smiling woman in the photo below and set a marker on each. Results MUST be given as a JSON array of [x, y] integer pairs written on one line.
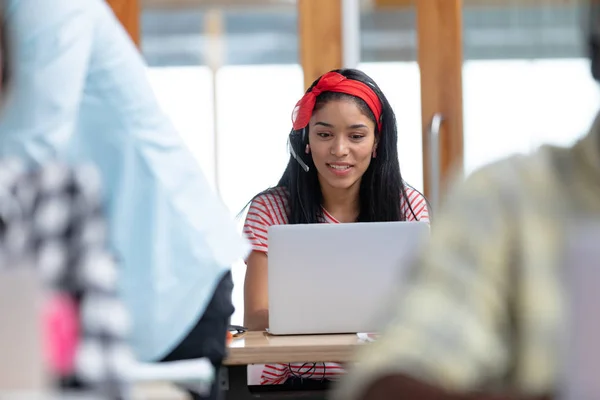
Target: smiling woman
[[343, 167], [342, 143]]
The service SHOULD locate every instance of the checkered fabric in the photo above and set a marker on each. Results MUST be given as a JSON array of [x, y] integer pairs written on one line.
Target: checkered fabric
[[52, 218]]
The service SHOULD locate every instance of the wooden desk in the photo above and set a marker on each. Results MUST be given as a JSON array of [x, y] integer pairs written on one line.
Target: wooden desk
[[262, 348]]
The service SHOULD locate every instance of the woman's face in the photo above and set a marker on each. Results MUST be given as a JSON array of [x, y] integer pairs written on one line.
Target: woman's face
[[342, 140]]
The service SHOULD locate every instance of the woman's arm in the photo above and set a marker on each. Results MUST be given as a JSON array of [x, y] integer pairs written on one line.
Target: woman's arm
[[256, 295]]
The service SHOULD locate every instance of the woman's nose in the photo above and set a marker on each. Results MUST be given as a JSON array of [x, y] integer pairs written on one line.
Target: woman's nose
[[339, 147]]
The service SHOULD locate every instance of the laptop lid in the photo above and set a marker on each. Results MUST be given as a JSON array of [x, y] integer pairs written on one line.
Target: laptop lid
[[337, 278]]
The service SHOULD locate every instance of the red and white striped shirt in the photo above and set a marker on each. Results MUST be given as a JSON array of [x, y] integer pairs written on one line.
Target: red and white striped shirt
[[272, 208]]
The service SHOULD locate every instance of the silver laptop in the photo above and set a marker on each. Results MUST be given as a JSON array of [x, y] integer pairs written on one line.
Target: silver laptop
[[337, 278]]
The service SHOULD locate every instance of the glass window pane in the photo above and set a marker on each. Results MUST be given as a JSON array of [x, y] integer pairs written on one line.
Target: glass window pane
[[400, 82], [258, 81], [526, 80], [185, 94], [389, 53], [174, 49], [256, 90], [254, 104], [173, 37]]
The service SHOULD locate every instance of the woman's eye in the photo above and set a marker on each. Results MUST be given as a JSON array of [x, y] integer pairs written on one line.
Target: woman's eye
[[357, 137], [323, 134]]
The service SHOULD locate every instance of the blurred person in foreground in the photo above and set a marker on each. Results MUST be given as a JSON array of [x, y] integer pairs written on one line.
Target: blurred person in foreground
[[483, 315], [75, 88]]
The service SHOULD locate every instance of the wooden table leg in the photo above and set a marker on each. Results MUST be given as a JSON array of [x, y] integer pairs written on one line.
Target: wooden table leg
[[234, 383]]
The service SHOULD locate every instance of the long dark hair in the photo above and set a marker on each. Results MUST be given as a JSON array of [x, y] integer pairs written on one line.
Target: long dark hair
[[592, 30], [381, 186]]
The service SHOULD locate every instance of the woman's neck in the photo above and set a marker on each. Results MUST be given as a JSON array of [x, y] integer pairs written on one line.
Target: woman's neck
[[342, 204]]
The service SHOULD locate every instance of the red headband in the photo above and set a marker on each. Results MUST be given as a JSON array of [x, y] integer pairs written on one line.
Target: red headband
[[334, 82]]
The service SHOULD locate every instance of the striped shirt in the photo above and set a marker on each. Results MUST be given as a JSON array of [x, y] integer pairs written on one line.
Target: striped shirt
[[271, 208]]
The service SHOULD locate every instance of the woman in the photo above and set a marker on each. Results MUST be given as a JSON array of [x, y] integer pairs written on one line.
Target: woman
[[343, 168]]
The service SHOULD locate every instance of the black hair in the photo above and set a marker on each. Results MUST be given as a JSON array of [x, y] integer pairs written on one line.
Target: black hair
[[592, 31], [3, 52], [381, 186]]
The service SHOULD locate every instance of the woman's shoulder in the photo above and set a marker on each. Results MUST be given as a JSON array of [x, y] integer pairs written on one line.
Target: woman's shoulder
[[414, 205], [413, 194], [274, 197], [271, 205]]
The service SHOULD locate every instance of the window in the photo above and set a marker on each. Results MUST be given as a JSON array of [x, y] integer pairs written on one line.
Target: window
[[241, 142]]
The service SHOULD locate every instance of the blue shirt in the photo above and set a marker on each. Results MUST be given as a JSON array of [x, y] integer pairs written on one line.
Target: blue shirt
[[78, 91]]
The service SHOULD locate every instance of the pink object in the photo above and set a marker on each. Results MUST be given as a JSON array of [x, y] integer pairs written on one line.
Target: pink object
[[61, 332]]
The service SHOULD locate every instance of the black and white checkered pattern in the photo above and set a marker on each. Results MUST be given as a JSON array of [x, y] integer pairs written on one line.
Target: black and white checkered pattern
[[52, 218]]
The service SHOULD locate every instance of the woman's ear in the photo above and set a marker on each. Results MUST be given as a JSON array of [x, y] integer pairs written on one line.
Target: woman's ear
[[375, 147]]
